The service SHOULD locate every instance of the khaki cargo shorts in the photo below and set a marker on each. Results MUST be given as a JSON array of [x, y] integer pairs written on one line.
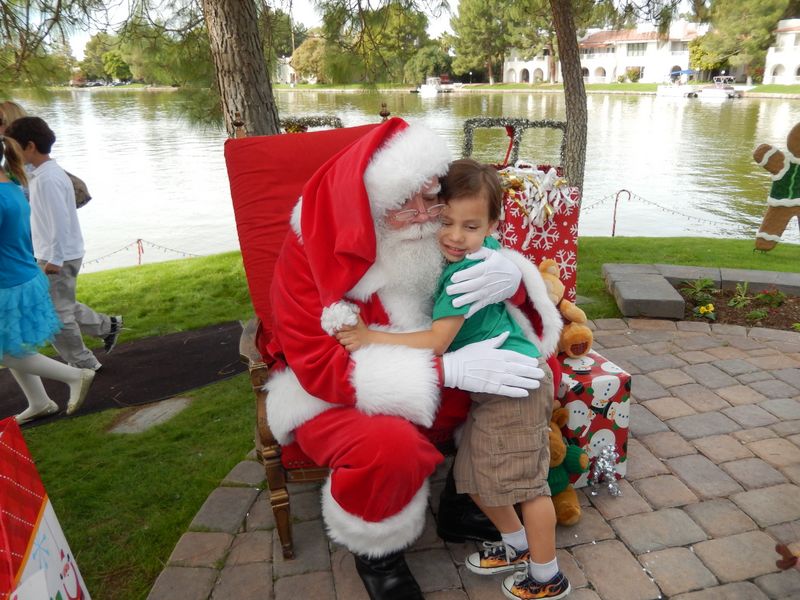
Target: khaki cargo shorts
[[504, 455]]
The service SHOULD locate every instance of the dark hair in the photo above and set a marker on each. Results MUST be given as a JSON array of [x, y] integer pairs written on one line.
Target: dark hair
[[32, 129], [468, 177]]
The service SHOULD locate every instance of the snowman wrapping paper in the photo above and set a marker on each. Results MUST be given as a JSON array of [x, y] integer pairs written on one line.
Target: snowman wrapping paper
[[597, 394]]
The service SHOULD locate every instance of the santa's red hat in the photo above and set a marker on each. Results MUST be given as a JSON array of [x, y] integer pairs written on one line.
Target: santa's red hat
[[343, 200]]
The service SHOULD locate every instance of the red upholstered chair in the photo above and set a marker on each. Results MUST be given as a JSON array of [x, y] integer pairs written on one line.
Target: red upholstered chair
[[266, 176]]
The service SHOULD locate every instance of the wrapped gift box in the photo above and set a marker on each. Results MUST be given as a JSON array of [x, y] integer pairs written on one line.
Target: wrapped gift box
[[35, 560], [540, 218], [597, 393]]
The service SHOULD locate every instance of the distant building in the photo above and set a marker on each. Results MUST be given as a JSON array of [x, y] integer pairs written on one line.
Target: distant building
[[608, 55], [284, 73], [783, 58]]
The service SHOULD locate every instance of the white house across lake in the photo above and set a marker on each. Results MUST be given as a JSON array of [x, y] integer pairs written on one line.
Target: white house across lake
[[607, 56], [783, 58]]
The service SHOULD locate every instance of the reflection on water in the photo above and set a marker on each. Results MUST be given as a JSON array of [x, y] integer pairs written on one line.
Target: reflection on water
[[156, 177]]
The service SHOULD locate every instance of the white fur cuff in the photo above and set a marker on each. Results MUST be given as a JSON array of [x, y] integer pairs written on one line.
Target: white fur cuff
[[289, 405], [374, 539], [337, 315], [395, 380], [539, 298]]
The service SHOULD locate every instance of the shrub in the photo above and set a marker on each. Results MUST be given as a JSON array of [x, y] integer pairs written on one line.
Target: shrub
[[773, 297], [740, 299], [699, 291], [756, 315]]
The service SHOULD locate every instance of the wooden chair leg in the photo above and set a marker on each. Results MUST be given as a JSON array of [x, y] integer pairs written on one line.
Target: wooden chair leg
[[280, 509]]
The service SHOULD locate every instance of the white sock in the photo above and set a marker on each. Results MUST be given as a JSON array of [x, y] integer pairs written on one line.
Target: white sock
[[43, 366], [543, 573], [34, 391], [517, 540]]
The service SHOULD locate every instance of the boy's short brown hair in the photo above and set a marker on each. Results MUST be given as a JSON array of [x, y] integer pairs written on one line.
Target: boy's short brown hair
[[468, 177], [32, 129]]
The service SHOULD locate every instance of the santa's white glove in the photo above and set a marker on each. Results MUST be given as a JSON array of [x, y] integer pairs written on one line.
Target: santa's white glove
[[492, 280], [483, 367]]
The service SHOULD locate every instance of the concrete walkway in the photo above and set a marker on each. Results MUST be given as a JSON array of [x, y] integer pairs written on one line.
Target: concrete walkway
[[712, 484]]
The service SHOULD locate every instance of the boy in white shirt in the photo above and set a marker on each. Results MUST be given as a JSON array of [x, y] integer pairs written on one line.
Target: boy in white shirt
[[58, 245]]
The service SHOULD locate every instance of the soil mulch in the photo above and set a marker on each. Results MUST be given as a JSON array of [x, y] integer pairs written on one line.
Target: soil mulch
[[781, 317], [144, 371]]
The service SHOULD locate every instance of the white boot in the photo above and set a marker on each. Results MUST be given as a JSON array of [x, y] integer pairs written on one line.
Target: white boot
[[78, 380]]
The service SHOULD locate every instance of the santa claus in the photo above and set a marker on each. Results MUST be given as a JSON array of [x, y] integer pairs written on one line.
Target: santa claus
[[362, 237]]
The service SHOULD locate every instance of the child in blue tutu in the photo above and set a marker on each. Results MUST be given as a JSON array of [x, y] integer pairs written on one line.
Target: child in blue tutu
[[27, 317]]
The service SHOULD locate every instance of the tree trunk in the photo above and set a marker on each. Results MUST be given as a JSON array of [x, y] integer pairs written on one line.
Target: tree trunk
[[242, 76], [574, 92], [552, 64], [490, 68]]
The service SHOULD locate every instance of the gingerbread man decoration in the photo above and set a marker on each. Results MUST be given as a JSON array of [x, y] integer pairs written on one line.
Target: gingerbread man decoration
[[784, 197]]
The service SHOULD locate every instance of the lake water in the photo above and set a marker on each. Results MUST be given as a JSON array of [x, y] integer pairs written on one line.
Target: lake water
[[155, 177]]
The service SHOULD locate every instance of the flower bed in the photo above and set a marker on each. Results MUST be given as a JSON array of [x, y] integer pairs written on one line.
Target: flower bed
[[743, 306]]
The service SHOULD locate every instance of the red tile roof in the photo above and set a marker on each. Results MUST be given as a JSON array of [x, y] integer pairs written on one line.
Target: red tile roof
[[606, 38]]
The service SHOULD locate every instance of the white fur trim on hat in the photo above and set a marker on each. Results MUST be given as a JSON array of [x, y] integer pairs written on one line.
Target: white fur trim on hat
[[337, 315], [375, 539], [289, 405], [395, 380], [403, 165], [539, 298]]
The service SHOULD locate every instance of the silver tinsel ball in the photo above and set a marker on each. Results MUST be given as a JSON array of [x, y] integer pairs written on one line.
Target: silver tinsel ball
[[604, 470]]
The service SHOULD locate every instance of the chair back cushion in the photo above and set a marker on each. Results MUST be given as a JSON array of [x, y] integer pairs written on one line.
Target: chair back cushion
[[266, 175]]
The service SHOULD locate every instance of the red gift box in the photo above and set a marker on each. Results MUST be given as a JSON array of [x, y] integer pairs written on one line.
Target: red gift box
[[597, 394], [541, 218], [34, 554]]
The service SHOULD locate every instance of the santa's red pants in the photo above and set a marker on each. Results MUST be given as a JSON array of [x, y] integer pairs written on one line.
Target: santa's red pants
[[375, 500], [378, 463]]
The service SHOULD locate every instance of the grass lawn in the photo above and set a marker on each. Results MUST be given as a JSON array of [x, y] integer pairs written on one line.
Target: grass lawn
[[125, 500], [192, 293], [622, 87], [171, 296]]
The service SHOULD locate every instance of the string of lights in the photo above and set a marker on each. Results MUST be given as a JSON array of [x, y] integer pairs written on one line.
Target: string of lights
[[139, 245], [632, 197]]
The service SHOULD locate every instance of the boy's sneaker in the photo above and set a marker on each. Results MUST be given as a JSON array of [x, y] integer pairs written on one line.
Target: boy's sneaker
[[496, 557], [523, 586], [110, 340]]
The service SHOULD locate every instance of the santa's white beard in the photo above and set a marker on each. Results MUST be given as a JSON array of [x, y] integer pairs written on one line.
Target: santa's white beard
[[407, 266]]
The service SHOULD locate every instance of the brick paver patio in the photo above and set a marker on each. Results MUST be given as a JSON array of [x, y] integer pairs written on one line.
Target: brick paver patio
[[713, 483]]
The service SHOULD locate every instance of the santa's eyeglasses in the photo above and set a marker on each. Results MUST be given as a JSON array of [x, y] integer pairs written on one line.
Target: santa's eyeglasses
[[412, 213]]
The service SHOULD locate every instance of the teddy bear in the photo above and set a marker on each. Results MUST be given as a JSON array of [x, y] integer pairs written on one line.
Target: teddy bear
[[576, 338], [565, 459], [784, 196]]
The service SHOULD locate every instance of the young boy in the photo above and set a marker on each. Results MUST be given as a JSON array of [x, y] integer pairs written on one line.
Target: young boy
[[504, 456], [58, 245]]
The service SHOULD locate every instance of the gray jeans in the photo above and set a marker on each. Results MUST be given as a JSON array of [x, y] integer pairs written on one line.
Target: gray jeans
[[77, 318]]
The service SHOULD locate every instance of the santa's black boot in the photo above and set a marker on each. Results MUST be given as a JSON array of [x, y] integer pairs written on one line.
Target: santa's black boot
[[388, 577], [459, 519]]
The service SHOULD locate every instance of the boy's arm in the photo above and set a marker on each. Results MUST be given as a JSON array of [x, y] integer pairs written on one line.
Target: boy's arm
[[438, 338]]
